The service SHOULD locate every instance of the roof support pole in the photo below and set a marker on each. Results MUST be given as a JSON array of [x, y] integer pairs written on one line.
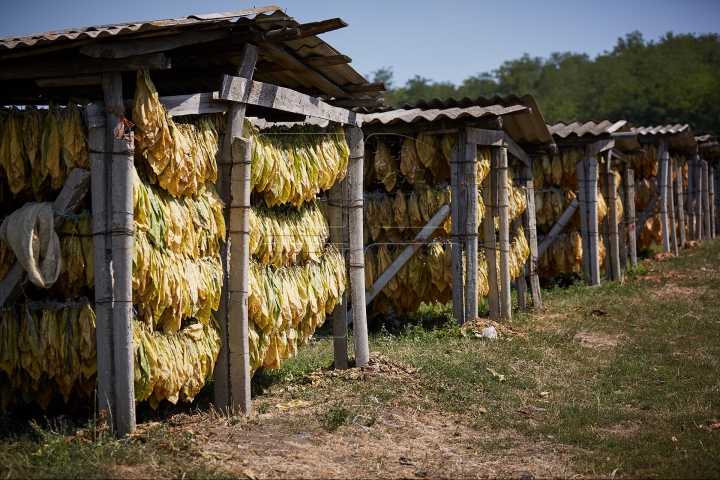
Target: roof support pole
[[355, 171], [629, 212], [679, 201], [622, 229], [584, 230], [605, 227], [232, 369], [691, 196], [705, 195], [339, 315], [521, 281], [698, 196], [530, 225], [713, 200], [99, 189], [489, 192], [504, 234], [671, 208], [594, 237], [612, 268], [662, 177], [457, 208], [468, 152], [121, 156]]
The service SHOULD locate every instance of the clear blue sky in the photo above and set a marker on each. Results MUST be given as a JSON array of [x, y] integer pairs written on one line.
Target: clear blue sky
[[442, 40]]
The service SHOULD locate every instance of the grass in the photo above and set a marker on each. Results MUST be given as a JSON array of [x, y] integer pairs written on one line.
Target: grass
[[623, 376]]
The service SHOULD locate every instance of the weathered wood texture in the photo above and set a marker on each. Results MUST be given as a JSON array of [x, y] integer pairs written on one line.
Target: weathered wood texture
[[120, 158], [530, 226], [339, 315], [713, 201], [622, 231], [662, 177], [497, 138], [457, 207], [226, 374], [593, 234], [356, 145], [100, 188], [558, 227], [504, 234], [671, 208], [584, 231], [279, 98], [489, 240], [629, 211], [679, 199], [521, 281], [64, 68], [705, 200], [119, 48], [613, 252], [468, 153], [691, 196]]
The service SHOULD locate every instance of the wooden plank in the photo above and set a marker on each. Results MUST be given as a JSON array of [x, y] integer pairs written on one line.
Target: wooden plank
[[284, 99], [339, 315], [497, 138], [521, 281], [620, 155], [64, 68], [417, 243], [360, 102], [324, 26], [646, 214], [691, 196], [230, 374], [671, 208], [583, 197], [705, 200], [662, 188], [119, 48], [630, 215], [713, 201], [699, 227], [558, 227], [489, 241], [314, 62], [365, 87], [72, 81], [356, 145], [458, 292], [72, 193], [599, 146], [613, 220], [530, 225], [121, 156], [593, 235], [622, 230], [679, 203], [468, 156], [100, 189], [504, 234], [280, 56]]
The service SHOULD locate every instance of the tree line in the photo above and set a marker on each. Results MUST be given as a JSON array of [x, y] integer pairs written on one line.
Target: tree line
[[673, 80]]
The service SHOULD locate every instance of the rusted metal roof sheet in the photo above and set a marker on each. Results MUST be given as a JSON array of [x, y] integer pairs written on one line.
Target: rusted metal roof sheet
[[528, 128], [103, 31], [576, 132], [679, 137]]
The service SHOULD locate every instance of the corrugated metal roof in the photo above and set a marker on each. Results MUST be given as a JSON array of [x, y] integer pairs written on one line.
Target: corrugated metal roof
[[573, 133], [524, 129], [192, 70], [679, 137], [103, 31]]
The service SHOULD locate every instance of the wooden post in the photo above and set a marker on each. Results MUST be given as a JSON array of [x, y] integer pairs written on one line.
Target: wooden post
[[671, 207], [356, 145], [489, 243], [99, 189], [120, 159], [679, 203], [339, 315], [662, 177], [530, 226], [614, 251], [629, 211], [698, 197], [468, 153], [691, 196], [584, 229], [593, 234], [558, 227], [504, 234], [520, 282], [238, 344], [713, 201], [705, 195], [457, 207], [622, 231], [229, 368]]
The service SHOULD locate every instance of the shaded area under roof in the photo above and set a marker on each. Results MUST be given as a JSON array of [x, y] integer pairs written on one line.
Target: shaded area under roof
[[708, 144], [576, 133], [522, 119], [679, 137], [305, 62]]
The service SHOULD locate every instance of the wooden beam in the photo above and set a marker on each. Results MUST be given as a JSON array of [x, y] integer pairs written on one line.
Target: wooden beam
[[279, 98], [646, 214], [73, 81], [558, 227], [232, 46], [357, 88], [497, 138], [457, 232], [64, 68], [620, 155], [623, 135], [316, 28], [599, 146], [128, 48], [280, 56], [74, 190], [360, 102], [314, 62]]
